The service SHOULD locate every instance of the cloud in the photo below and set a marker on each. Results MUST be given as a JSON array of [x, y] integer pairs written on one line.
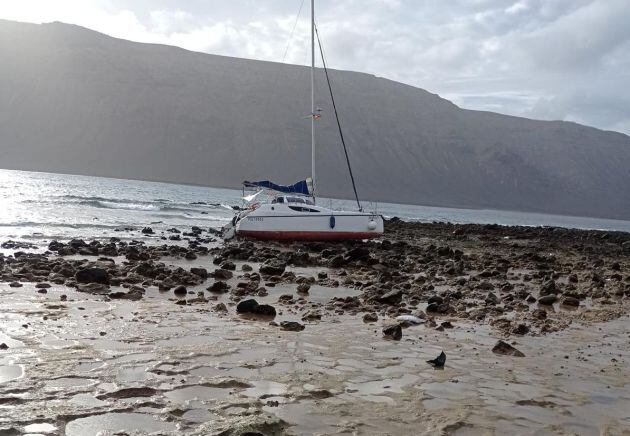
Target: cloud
[[561, 59]]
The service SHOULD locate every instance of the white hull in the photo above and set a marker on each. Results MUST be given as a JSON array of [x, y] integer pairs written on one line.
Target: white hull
[[307, 222]]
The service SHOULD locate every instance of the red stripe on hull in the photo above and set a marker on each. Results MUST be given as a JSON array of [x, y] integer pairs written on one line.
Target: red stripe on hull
[[307, 236]]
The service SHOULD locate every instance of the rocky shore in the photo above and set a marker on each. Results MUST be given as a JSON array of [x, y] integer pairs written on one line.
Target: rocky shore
[[179, 330], [518, 280]]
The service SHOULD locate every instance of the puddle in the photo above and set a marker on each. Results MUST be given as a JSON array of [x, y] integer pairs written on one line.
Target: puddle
[[10, 372], [116, 423], [197, 393], [87, 400], [40, 428], [265, 388], [71, 382]]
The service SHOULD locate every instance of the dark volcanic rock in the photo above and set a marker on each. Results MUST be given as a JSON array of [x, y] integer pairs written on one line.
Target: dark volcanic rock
[[251, 306], [370, 317], [571, 301], [92, 275], [548, 300], [506, 349], [549, 288], [222, 274], [180, 290], [201, 272], [292, 326], [392, 297], [393, 331], [219, 287], [147, 231], [273, 268]]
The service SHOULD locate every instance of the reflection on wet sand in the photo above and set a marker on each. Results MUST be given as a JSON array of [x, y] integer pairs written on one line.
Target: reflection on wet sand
[[162, 367]]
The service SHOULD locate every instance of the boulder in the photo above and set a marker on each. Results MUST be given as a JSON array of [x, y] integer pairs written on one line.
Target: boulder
[[571, 301], [506, 349], [548, 299], [370, 317], [201, 272], [222, 274], [251, 306], [391, 297], [92, 275], [292, 326], [549, 288], [273, 268], [393, 331], [219, 287], [180, 290]]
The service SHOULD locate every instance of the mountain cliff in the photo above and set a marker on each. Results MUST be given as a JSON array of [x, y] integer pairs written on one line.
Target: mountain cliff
[[77, 101]]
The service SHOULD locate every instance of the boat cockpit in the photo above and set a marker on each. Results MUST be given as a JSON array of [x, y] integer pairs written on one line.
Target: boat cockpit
[[283, 199]]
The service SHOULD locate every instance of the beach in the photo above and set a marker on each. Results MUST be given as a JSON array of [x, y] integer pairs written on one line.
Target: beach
[[154, 332]]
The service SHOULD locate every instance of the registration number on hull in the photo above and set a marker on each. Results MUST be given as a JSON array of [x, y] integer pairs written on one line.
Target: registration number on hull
[[255, 218]]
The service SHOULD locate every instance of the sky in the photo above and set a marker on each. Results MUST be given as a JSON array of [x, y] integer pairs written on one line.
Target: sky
[[544, 59]]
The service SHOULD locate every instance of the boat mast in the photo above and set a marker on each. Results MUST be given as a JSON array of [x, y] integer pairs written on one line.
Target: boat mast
[[313, 96]]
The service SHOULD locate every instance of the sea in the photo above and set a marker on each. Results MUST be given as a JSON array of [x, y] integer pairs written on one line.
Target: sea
[[36, 207]]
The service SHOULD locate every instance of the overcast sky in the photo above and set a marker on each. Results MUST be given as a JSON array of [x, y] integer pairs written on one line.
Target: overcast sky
[[546, 59]]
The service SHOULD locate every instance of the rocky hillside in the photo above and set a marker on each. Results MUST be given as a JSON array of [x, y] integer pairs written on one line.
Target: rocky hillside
[[76, 101]]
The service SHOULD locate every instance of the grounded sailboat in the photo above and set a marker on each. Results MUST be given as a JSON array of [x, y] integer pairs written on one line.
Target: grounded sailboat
[[293, 213]]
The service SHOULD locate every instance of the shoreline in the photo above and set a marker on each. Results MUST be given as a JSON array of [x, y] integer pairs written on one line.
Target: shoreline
[[120, 333]]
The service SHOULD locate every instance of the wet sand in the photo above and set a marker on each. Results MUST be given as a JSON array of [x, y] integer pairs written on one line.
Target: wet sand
[[168, 364]]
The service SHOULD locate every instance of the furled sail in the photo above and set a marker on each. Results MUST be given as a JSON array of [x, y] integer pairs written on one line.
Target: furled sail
[[303, 187]]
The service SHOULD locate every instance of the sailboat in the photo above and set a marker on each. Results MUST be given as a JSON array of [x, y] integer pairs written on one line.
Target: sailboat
[[293, 212]]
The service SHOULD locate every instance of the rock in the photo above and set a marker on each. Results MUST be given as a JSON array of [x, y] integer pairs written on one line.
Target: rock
[[521, 329], [42, 285], [549, 288], [435, 299], [219, 287], [312, 316], [93, 288], [92, 275], [358, 253], [303, 288], [571, 301], [201, 272], [220, 307], [42, 291], [433, 307], [15, 285], [246, 267], [190, 255], [180, 290], [392, 297], [4, 346], [539, 314], [393, 331], [506, 349], [370, 317], [133, 295], [251, 306], [273, 268], [337, 261], [291, 326], [147, 231], [439, 361], [531, 299], [548, 299], [222, 274], [265, 310], [228, 265]]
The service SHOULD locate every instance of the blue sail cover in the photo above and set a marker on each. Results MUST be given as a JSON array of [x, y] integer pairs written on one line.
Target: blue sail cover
[[302, 187]]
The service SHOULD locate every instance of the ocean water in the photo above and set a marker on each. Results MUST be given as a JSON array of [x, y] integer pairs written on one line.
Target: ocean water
[[42, 206]]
